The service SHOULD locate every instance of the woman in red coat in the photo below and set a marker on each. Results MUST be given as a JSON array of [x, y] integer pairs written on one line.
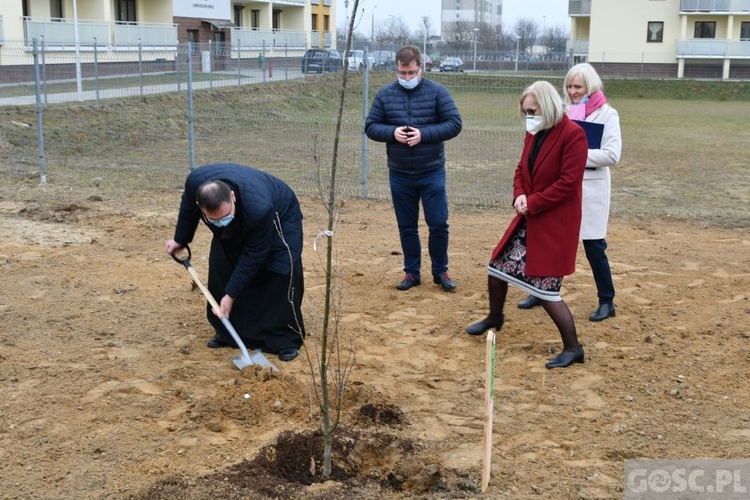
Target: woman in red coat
[[539, 247]]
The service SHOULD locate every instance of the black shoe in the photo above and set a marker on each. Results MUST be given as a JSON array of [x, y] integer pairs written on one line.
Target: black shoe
[[216, 343], [566, 358], [603, 312], [445, 281], [288, 353], [408, 282], [484, 325], [529, 302]]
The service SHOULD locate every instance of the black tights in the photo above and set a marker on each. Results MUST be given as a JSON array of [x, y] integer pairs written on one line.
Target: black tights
[[558, 311], [563, 319]]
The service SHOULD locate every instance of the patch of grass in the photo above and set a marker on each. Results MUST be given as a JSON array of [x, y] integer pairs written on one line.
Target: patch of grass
[[682, 158]]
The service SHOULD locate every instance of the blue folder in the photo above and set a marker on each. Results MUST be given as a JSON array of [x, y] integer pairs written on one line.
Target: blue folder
[[594, 132]]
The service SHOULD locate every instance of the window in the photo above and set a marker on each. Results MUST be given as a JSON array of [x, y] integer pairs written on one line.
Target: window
[[125, 11], [705, 29], [255, 19], [55, 9], [276, 19], [745, 31], [238, 15], [326, 23], [192, 38], [655, 32], [315, 22]]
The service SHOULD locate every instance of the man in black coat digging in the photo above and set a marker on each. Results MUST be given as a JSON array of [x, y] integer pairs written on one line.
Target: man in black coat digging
[[255, 264]]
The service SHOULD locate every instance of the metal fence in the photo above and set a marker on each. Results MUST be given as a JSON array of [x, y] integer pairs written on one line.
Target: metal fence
[[146, 120]]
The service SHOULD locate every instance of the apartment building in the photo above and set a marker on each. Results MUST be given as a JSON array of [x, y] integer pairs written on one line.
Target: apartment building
[[155, 28], [462, 16], [670, 38]]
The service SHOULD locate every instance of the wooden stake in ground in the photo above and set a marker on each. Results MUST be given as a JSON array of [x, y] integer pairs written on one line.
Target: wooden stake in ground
[[489, 407]]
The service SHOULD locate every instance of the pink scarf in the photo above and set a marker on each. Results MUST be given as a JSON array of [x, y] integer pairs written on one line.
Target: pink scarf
[[581, 111]]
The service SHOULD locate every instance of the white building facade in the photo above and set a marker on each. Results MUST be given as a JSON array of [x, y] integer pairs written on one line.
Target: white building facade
[[671, 38], [156, 27]]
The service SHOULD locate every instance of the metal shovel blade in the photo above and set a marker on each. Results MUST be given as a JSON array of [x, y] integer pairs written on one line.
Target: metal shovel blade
[[246, 359]]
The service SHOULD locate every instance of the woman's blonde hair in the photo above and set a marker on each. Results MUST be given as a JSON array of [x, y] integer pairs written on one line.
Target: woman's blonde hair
[[549, 101], [585, 72]]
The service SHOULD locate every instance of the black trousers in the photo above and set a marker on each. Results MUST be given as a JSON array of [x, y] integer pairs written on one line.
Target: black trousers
[[597, 257], [268, 314]]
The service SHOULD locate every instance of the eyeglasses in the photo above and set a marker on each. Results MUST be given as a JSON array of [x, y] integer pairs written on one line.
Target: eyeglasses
[[531, 111], [407, 73]]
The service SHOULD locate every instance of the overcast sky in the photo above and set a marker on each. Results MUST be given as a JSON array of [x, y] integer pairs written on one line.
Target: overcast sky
[[544, 12]]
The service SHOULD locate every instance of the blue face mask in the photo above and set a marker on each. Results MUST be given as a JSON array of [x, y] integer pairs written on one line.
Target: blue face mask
[[223, 222], [409, 84]]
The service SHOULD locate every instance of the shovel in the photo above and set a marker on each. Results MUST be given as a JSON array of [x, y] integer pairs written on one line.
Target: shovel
[[257, 357]]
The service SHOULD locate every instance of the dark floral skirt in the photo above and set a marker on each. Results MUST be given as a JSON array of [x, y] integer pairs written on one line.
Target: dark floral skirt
[[510, 266]]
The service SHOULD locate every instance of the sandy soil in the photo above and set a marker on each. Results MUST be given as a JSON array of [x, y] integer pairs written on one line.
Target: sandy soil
[[107, 389]]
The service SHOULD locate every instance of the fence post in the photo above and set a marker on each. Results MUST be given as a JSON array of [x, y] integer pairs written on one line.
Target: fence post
[[262, 64], [210, 64], [39, 122], [643, 62], [365, 102], [177, 67], [239, 63], [286, 61], [140, 65], [44, 72], [190, 114], [96, 71]]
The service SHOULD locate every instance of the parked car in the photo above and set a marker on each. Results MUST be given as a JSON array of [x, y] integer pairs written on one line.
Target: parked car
[[322, 61], [427, 62], [452, 64], [385, 60], [356, 60]]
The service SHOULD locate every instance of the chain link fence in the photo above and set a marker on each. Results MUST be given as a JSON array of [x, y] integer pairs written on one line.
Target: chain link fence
[[145, 121], [156, 119]]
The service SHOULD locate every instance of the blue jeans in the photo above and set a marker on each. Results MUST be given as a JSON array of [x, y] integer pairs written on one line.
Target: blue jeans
[[595, 253], [406, 191]]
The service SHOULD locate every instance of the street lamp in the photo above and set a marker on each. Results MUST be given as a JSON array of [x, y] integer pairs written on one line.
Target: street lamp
[[518, 40], [476, 36], [424, 28], [372, 26]]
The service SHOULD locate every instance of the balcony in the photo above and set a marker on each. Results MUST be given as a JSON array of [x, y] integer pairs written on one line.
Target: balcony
[[60, 34], [713, 49], [248, 38], [579, 46], [579, 8], [715, 7], [144, 34]]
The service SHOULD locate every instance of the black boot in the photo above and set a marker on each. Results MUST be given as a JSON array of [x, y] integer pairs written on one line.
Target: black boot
[[496, 323], [529, 302], [497, 289]]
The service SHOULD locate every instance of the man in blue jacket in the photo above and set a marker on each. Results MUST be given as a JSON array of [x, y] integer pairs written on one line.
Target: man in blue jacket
[[414, 116], [255, 264]]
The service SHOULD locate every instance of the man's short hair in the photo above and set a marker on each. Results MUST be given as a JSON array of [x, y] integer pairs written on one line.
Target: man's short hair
[[211, 195], [409, 53]]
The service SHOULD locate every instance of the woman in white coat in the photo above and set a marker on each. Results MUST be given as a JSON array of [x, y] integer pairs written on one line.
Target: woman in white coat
[[586, 102]]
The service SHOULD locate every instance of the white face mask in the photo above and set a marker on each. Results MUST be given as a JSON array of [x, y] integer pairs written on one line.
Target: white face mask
[[534, 124], [409, 84]]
